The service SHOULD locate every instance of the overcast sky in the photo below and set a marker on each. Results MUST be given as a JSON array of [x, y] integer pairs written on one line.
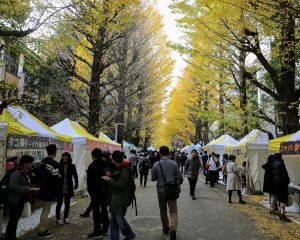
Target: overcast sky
[[173, 32]]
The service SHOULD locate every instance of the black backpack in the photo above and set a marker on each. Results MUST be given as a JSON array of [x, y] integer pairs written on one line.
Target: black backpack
[[145, 164], [132, 198], [4, 187]]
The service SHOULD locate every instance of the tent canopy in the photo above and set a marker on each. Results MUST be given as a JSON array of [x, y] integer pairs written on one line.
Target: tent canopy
[[274, 144], [151, 148], [78, 133], [222, 141], [105, 138], [256, 139], [23, 123]]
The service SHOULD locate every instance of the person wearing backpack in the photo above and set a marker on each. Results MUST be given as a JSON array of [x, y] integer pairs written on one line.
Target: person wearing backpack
[[143, 167], [166, 173], [119, 198], [48, 180], [19, 192]]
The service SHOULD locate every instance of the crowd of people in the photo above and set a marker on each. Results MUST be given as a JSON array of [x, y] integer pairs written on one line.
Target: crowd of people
[[111, 186]]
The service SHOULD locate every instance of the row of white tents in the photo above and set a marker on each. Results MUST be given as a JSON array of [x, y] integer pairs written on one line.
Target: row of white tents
[[255, 148]]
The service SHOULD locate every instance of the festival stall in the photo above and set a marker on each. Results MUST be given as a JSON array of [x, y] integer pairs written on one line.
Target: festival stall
[[218, 145], [289, 147], [113, 146], [84, 143], [253, 148], [25, 134]]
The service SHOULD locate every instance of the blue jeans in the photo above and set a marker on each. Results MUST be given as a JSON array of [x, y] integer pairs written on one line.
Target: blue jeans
[[118, 221]]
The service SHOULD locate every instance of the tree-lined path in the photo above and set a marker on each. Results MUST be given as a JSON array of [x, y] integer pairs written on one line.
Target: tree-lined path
[[208, 217]]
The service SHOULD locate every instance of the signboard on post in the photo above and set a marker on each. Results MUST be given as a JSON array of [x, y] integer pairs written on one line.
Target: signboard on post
[[177, 142]]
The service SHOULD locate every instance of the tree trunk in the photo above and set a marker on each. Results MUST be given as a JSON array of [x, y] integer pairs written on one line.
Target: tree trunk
[[243, 90], [221, 107], [122, 65], [94, 91], [205, 122], [288, 107]]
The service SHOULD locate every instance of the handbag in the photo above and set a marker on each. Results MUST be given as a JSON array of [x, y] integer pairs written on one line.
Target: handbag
[[171, 189]]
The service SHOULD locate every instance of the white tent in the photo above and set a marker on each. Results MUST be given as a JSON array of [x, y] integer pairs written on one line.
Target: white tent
[[253, 148], [151, 148], [80, 138], [219, 145]]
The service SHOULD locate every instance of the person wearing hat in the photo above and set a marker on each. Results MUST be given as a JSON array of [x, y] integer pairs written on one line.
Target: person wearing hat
[[19, 190]]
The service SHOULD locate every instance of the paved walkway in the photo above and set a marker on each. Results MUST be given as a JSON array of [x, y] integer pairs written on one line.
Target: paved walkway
[[209, 217]]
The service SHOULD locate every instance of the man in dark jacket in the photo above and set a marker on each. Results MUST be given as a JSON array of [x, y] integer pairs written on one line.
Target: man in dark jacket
[[48, 182], [144, 166], [119, 197], [191, 169], [18, 191], [98, 190], [183, 159]]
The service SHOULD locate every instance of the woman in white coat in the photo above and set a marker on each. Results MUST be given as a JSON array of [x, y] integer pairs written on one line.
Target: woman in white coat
[[233, 180]]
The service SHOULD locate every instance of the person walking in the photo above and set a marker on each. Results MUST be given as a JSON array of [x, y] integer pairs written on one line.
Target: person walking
[[191, 170], [212, 168], [269, 187], [98, 191], [281, 181], [233, 180], [68, 183], [134, 160], [177, 158], [183, 160], [18, 194], [48, 182], [166, 172], [204, 160], [144, 166], [120, 183], [224, 168]]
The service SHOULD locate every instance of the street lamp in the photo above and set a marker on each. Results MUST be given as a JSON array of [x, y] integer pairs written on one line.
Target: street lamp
[[116, 130]]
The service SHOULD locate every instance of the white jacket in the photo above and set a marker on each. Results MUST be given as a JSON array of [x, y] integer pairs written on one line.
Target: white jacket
[[212, 164]]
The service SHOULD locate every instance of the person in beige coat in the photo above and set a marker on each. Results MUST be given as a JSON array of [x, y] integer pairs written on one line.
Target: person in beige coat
[[233, 180]]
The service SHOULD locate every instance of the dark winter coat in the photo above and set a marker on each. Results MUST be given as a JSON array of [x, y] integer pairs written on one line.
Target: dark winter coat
[[280, 179], [192, 167], [18, 187], [71, 174], [183, 159], [48, 179], [268, 179], [119, 189], [96, 185]]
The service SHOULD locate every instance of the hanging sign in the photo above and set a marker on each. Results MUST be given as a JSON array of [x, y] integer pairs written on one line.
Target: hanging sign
[[290, 148]]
